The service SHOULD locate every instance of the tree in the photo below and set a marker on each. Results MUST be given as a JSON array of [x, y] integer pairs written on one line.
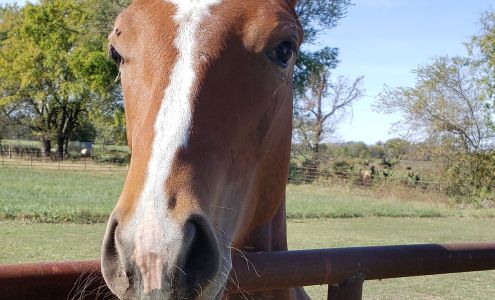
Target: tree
[[318, 15], [52, 69], [319, 110], [448, 102], [449, 108], [320, 101], [484, 44], [395, 149]]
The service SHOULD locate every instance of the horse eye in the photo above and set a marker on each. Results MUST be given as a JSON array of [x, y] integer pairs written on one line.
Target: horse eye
[[283, 53], [116, 57]]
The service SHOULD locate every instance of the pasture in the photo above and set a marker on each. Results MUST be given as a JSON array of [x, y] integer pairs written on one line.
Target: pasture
[[23, 242], [53, 196], [77, 204]]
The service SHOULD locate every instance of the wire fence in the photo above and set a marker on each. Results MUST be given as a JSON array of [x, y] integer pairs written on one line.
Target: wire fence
[[12, 157], [366, 178]]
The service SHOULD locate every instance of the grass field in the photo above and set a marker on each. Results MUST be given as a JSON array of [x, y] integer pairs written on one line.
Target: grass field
[[88, 197], [58, 196], [49, 242], [319, 217]]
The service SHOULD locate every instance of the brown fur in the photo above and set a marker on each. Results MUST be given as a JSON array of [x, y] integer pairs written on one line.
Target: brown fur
[[236, 162]]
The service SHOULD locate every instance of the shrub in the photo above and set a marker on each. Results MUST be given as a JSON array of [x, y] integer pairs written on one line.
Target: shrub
[[470, 178], [112, 157]]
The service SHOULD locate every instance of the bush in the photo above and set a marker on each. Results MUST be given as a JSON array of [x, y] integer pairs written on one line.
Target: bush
[[295, 174], [470, 178], [112, 157], [342, 169]]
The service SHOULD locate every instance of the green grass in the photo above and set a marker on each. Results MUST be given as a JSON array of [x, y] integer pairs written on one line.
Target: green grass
[[24, 143], [320, 217], [58, 196], [331, 202], [28, 242], [103, 148], [54, 196], [307, 234], [32, 242], [312, 201]]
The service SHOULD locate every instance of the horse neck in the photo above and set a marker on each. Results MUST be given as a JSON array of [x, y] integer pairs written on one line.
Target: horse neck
[[271, 236]]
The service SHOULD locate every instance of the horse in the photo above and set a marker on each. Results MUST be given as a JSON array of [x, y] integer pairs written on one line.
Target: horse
[[207, 88]]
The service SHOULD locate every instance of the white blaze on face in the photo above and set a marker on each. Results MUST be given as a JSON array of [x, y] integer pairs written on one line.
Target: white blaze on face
[[157, 238]]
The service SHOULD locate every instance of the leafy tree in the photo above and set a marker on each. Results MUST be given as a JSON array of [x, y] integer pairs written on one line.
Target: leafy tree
[[484, 44], [320, 101], [52, 69], [396, 148], [449, 108], [377, 150], [320, 109], [449, 101], [318, 15], [485, 40]]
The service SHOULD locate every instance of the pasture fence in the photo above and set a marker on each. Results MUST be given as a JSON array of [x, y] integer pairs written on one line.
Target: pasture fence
[[32, 158], [13, 157], [308, 175], [344, 270]]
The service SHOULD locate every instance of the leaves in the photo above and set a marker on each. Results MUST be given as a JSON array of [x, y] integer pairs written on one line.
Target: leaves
[[447, 109], [319, 101], [448, 101], [310, 64], [319, 15], [52, 69]]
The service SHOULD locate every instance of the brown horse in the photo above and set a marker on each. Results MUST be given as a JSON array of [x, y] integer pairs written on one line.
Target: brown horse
[[208, 100]]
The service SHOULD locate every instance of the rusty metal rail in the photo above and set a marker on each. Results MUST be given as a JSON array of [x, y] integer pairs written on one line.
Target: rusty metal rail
[[344, 270]]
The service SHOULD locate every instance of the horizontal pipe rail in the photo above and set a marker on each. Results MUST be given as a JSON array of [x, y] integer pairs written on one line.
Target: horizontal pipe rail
[[264, 271], [333, 266], [51, 281]]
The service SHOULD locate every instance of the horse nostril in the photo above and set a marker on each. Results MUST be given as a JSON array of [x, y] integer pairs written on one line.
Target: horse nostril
[[111, 265], [202, 259]]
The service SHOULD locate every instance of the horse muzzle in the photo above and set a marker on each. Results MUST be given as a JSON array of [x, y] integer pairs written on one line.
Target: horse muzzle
[[160, 259]]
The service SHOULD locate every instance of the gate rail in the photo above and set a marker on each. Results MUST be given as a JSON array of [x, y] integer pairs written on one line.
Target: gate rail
[[343, 269]]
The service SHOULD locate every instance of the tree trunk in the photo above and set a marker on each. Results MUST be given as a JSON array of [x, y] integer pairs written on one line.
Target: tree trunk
[[66, 147], [314, 164], [47, 146], [60, 147]]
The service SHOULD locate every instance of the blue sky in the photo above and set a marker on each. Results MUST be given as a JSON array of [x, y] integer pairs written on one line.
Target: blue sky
[[384, 40]]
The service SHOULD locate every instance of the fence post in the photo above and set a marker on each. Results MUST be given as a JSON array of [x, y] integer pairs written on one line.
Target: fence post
[[1, 154], [351, 289]]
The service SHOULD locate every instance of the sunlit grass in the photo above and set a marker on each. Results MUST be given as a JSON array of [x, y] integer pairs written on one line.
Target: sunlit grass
[[30, 242], [54, 196], [58, 196], [308, 234], [313, 201], [319, 217]]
